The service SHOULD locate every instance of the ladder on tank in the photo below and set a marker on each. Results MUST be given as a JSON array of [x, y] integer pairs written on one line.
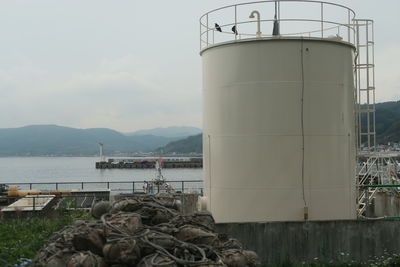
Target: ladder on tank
[[365, 110], [365, 84]]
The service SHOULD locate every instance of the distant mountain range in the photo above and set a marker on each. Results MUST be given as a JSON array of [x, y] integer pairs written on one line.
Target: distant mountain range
[[173, 131], [53, 140]]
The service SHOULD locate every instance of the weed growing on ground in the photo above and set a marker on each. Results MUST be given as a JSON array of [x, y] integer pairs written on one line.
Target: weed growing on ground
[[23, 237], [385, 260]]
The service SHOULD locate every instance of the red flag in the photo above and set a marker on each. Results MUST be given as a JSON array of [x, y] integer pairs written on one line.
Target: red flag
[[161, 160]]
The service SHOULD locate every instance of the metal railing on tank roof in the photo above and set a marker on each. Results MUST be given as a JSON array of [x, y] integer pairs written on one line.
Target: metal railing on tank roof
[[277, 19]]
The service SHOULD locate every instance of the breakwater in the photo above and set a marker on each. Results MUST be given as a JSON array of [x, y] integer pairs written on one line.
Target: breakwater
[[149, 163]]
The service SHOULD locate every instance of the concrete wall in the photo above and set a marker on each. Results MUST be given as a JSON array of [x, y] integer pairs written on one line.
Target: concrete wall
[[384, 204], [339, 241]]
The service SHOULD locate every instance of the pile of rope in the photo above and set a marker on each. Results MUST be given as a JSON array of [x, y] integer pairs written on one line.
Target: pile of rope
[[143, 232]]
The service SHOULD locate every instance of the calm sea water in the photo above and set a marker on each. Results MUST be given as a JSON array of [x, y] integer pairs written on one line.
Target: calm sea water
[[79, 169]]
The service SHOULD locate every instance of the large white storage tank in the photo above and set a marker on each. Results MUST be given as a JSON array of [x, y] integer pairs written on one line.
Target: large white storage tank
[[279, 128]]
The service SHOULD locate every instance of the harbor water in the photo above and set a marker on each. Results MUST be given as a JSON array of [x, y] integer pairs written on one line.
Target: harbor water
[[82, 169]]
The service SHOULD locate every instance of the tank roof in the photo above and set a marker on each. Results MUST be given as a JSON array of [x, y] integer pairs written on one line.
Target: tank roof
[[277, 39]]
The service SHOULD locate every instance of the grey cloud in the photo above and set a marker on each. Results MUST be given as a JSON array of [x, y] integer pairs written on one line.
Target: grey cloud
[[127, 64]]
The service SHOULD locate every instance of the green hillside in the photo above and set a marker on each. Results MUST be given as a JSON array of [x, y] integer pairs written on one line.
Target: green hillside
[[388, 122], [387, 126], [191, 144]]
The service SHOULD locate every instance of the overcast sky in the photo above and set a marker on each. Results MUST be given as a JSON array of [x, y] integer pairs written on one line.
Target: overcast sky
[[129, 65]]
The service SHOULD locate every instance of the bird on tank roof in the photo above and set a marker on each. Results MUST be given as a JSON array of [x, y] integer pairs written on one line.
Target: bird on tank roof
[[218, 28], [234, 30]]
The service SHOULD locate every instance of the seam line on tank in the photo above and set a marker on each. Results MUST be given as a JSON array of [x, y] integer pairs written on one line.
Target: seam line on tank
[[302, 122]]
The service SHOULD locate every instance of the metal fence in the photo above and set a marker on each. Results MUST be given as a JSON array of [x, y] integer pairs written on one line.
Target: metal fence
[[32, 203], [183, 186]]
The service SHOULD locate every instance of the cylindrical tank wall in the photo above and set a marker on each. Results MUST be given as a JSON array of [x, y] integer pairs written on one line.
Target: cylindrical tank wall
[[264, 102]]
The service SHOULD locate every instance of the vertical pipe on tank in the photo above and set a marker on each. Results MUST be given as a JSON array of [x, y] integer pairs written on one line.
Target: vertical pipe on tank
[[256, 14]]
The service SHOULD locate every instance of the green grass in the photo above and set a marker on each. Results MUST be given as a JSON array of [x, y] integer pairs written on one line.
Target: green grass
[[23, 237], [387, 259]]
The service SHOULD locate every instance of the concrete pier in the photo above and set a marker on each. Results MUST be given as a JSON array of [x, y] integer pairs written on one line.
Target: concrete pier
[[149, 164]]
